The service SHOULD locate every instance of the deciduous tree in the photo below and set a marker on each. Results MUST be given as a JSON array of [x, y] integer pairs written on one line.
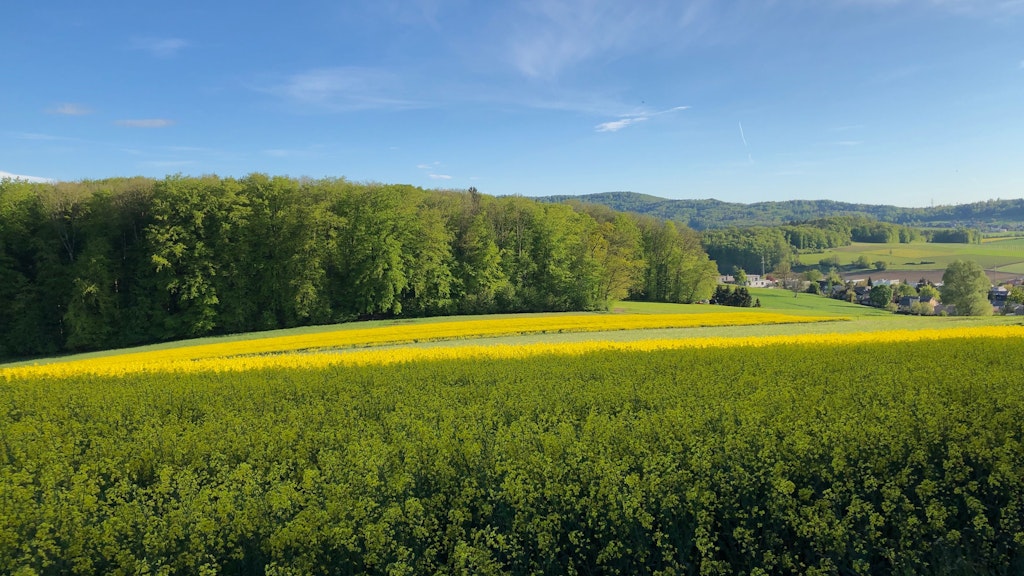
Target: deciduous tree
[[965, 285]]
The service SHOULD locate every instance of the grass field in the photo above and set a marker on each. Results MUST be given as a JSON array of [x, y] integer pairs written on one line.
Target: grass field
[[999, 255]]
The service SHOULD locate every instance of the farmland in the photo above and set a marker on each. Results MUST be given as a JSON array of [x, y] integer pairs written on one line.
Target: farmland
[[654, 439], [999, 256]]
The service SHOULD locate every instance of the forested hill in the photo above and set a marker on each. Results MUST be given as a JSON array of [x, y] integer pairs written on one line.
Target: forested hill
[[706, 214]]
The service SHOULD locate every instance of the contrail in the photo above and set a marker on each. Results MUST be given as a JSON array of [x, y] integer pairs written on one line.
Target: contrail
[[745, 145]]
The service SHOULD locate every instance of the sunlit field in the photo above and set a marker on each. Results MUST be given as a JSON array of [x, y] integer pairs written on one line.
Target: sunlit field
[[242, 354], [531, 335], [884, 451], [1006, 254]]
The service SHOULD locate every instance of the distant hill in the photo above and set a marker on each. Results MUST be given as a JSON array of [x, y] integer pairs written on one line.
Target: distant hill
[[705, 214]]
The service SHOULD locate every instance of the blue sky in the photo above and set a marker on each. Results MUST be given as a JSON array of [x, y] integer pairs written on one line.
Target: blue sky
[[906, 102]]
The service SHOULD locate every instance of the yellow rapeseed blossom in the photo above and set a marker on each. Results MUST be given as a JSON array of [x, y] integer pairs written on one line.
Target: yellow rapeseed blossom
[[167, 362], [455, 329]]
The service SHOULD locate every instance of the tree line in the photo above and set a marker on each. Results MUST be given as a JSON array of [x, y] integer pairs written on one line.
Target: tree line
[[708, 214], [125, 261], [745, 247]]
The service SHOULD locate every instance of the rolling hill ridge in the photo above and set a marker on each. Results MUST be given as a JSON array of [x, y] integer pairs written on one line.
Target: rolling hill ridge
[[711, 213]]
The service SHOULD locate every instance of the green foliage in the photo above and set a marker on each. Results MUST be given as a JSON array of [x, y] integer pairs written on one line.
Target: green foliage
[[118, 262], [747, 248], [716, 461], [1016, 295], [678, 269], [958, 235], [905, 289], [881, 295], [725, 295], [965, 286], [829, 262], [740, 276], [711, 214], [928, 292], [922, 308]]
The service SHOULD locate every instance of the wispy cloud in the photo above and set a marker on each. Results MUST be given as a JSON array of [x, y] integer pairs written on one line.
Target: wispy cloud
[[69, 109], [616, 125], [631, 119], [146, 123], [160, 47], [432, 171], [5, 175], [41, 137], [548, 36], [345, 89]]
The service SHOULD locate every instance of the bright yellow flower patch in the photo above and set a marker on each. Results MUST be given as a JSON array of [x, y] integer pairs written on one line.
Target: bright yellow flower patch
[[255, 355], [409, 333]]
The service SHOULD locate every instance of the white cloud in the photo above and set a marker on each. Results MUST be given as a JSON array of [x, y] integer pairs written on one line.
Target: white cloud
[[345, 89], [6, 175], [160, 47], [69, 109], [617, 125], [146, 123], [630, 119], [430, 167], [548, 36]]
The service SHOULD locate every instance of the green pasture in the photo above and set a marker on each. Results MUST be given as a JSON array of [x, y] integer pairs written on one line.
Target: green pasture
[[1005, 254]]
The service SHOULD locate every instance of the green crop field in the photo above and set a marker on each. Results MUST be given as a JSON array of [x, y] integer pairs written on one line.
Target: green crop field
[[833, 448], [826, 457], [1006, 254]]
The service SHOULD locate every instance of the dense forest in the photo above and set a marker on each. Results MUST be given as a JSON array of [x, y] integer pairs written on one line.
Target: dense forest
[[118, 262], [708, 214]]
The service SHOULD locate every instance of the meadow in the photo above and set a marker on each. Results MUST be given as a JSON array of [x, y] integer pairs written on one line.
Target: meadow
[[810, 437], [996, 254]]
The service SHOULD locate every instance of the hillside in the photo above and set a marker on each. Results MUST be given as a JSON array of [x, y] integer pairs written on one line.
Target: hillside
[[710, 213]]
